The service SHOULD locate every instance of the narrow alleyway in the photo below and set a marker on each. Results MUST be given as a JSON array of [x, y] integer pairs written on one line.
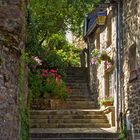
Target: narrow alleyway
[[76, 118]]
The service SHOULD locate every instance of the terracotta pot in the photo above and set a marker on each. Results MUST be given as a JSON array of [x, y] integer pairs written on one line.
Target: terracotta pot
[[108, 104]]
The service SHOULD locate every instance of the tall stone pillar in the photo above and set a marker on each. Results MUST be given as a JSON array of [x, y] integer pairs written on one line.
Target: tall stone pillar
[[12, 44]]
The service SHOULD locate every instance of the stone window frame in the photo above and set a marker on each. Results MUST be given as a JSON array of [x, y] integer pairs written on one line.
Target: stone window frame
[[107, 77], [109, 29], [133, 75]]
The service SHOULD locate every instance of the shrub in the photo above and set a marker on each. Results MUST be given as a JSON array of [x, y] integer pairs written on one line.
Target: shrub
[[53, 86]]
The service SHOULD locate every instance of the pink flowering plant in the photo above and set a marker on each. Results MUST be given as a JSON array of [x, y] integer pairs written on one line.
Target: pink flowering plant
[[98, 57], [106, 101], [53, 85]]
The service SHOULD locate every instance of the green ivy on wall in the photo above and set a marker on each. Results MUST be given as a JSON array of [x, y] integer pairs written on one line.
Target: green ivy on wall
[[23, 104]]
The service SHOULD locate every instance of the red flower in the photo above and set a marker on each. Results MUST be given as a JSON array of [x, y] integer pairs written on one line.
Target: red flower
[[53, 71], [52, 74], [58, 76], [44, 74], [45, 71]]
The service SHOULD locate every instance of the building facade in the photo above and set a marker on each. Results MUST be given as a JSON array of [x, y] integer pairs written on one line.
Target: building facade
[[118, 38], [100, 36], [130, 34]]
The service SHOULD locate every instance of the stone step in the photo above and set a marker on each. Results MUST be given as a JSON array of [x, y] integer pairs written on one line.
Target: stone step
[[65, 120], [70, 95], [75, 80], [74, 139], [72, 104], [44, 116], [78, 73], [78, 99], [79, 90], [69, 125], [76, 70], [72, 133], [77, 85], [67, 112]]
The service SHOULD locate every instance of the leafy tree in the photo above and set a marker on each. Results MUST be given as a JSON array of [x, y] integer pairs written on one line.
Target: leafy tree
[[48, 22], [48, 17]]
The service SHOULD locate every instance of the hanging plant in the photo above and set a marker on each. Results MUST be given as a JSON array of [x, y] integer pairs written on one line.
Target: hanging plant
[[98, 57]]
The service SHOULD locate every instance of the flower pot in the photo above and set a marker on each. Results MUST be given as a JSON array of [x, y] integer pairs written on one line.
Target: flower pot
[[108, 104]]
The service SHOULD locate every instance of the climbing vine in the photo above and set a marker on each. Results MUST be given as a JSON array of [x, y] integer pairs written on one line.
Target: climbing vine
[[23, 103]]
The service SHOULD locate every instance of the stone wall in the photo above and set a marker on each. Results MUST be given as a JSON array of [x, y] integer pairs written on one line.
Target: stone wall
[[12, 43], [93, 81], [98, 72], [102, 71], [131, 36]]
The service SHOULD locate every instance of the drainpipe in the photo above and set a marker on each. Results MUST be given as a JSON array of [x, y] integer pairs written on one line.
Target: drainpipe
[[120, 64], [118, 69]]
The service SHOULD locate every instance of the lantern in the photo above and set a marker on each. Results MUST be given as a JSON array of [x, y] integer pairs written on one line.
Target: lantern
[[101, 17]]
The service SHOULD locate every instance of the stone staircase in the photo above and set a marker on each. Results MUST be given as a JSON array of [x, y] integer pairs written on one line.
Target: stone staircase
[[77, 82], [76, 118]]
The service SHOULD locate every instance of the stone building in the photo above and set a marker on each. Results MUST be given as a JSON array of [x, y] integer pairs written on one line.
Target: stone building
[[13, 78], [119, 38], [100, 36], [130, 72]]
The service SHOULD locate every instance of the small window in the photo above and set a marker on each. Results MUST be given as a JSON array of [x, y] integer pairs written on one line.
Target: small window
[[132, 62], [109, 84], [109, 32]]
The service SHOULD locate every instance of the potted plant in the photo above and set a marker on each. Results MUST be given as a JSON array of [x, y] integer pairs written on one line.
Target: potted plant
[[98, 57], [107, 101]]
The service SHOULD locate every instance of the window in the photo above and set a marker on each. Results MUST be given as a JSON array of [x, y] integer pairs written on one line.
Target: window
[[98, 39], [132, 62], [109, 32], [109, 84]]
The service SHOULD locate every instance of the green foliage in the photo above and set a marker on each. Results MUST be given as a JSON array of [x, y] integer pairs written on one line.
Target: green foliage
[[57, 16], [35, 84], [25, 57], [53, 89], [54, 61], [46, 87], [59, 53], [51, 17], [98, 57], [105, 100], [23, 106], [24, 117], [122, 135]]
